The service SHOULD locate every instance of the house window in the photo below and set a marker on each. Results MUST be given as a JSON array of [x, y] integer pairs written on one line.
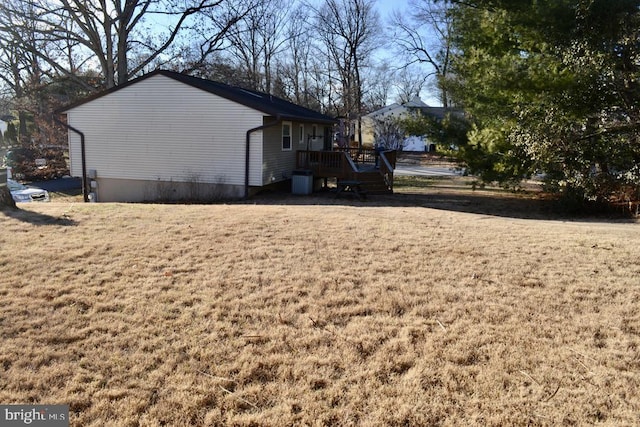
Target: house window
[[315, 131], [286, 136], [301, 135]]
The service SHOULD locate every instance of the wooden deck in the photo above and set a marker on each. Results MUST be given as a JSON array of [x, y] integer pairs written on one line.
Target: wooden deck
[[352, 164]]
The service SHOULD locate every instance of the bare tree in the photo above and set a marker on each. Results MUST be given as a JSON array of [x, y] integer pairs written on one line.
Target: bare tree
[[409, 84], [379, 82], [294, 70], [388, 132], [300, 72], [425, 37], [110, 31], [20, 68], [35, 85], [256, 40], [349, 29]]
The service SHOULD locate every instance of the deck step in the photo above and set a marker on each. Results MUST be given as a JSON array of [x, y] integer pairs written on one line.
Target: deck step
[[373, 182]]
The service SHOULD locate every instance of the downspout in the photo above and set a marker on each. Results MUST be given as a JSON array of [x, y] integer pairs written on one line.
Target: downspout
[[277, 121], [85, 190]]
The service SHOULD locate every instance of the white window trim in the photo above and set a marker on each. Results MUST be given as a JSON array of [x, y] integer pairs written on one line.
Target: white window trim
[[301, 141], [290, 137]]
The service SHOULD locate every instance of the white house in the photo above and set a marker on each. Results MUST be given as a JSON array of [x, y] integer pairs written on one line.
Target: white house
[[400, 111], [3, 125], [169, 136]]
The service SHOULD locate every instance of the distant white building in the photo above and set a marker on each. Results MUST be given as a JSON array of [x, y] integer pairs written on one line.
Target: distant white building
[[400, 111], [4, 123]]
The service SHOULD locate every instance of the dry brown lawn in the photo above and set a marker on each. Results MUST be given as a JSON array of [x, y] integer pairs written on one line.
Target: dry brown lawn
[[414, 309]]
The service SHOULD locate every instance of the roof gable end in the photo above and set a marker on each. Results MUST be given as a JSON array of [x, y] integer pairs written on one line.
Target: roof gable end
[[259, 101]]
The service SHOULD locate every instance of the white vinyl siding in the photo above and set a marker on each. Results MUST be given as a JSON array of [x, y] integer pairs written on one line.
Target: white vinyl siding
[[162, 129]]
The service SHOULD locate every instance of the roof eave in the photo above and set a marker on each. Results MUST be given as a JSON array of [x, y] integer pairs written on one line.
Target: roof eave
[[223, 91], [308, 119]]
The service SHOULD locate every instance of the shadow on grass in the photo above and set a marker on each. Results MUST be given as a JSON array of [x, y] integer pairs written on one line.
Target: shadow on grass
[[450, 196], [472, 203], [37, 218]]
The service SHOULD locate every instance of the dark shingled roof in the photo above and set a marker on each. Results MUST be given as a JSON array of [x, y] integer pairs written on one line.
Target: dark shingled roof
[[269, 104]]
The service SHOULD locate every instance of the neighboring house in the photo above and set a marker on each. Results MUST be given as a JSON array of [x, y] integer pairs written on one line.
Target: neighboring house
[[3, 125], [400, 111], [169, 136], [4, 122]]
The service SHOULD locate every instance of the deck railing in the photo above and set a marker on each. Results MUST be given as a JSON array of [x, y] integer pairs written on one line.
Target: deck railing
[[368, 155], [360, 155], [325, 164], [341, 165], [386, 167]]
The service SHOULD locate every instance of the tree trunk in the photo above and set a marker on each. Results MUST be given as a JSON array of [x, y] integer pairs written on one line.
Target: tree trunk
[[6, 201]]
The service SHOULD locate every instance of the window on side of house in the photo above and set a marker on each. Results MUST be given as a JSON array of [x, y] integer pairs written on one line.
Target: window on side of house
[[315, 131], [286, 136], [301, 141]]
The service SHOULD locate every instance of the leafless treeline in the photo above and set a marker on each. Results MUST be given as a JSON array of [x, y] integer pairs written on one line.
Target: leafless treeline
[[318, 53]]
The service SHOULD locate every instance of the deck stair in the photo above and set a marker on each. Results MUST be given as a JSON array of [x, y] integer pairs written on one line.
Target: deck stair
[[372, 182]]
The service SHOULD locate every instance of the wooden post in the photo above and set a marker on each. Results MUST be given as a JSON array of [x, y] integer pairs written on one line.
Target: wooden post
[[6, 201]]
